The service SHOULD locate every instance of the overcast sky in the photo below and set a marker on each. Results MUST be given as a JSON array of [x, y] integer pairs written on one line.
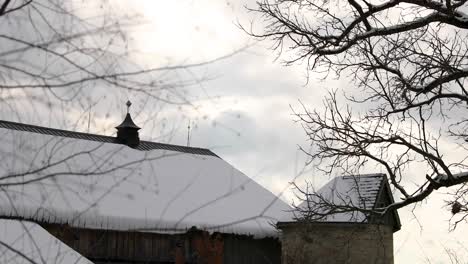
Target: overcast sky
[[250, 125], [249, 122], [244, 112]]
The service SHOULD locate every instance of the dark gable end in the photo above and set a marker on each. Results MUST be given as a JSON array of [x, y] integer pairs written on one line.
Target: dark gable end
[[385, 198]]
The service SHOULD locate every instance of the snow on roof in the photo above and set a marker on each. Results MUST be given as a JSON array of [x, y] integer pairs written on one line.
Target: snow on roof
[[24, 242], [341, 199], [95, 184]]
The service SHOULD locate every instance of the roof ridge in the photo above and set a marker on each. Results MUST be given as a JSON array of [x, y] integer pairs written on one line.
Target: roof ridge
[[365, 175], [15, 124], [144, 144]]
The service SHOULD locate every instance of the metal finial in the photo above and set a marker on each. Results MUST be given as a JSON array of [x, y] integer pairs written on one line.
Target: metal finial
[[128, 106]]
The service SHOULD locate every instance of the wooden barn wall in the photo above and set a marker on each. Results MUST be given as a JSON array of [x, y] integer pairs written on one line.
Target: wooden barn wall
[[240, 249], [108, 246], [123, 247]]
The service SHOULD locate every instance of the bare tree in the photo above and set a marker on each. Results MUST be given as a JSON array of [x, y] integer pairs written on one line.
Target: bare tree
[[407, 114], [67, 55], [60, 54]]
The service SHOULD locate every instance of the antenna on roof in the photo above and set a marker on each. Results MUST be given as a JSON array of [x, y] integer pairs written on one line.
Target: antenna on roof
[[188, 133], [89, 118]]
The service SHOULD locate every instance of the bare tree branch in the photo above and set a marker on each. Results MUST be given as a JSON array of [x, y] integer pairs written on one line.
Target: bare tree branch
[[407, 61]]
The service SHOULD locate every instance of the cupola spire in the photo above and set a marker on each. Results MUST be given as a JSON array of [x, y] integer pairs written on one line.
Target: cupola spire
[[128, 106], [127, 131]]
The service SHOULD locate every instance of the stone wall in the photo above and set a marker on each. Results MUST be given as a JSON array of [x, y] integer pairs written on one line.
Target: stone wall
[[323, 243]]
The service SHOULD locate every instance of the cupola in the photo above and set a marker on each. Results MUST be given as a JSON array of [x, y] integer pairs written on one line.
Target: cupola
[[127, 131]]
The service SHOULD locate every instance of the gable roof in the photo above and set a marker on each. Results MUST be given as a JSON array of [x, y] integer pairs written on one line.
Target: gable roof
[[143, 146], [86, 180], [344, 198], [25, 242]]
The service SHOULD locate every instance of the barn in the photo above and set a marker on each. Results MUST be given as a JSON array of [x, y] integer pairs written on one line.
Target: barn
[[125, 200], [85, 198]]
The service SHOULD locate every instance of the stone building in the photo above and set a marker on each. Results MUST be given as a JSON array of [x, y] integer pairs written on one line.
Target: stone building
[[335, 228]]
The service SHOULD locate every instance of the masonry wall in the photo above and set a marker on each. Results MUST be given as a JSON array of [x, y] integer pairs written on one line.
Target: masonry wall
[[323, 243]]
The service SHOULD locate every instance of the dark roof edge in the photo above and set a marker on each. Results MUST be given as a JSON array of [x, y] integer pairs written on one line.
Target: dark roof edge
[[45, 130], [291, 223], [144, 145], [378, 174]]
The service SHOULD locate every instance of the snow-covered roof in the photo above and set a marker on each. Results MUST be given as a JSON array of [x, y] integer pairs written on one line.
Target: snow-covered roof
[[94, 184], [355, 191], [24, 242], [344, 199]]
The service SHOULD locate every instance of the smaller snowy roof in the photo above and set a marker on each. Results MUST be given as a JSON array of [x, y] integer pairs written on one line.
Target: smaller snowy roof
[[24, 242], [345, 199]]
